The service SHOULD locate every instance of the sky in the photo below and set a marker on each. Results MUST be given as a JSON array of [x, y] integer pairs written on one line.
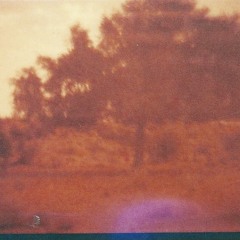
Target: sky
[[29, 28]]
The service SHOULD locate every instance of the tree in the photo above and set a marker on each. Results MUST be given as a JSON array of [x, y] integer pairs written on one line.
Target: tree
[[28, 97], [170, 61], [141, 43], [75, 82]]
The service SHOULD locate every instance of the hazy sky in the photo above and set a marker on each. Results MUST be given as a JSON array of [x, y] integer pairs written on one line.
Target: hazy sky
[[29, 28]]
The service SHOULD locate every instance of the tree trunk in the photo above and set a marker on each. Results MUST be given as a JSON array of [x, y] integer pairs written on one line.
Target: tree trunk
[[139, 144]]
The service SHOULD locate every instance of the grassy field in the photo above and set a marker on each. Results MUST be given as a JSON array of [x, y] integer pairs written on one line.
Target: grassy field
[[91, 201], [89, 195]]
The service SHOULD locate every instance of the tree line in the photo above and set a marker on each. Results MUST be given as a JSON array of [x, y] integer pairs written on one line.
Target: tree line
[[157, 61]]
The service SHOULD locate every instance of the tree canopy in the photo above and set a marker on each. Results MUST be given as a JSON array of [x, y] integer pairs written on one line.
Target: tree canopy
[[75, 83]]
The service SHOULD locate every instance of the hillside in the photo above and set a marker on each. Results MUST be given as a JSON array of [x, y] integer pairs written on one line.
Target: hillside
[[193, 146]]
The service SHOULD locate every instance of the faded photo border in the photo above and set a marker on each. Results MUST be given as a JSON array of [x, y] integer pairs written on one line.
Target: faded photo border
[[125, 236]]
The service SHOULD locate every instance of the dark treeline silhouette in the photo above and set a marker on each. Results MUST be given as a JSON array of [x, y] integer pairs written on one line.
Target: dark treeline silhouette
[[157, 61]]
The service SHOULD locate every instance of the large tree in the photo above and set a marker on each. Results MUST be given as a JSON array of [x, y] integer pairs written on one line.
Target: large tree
[[167, 61]]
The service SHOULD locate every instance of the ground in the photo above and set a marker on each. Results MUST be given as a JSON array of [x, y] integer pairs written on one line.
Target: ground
[[83, 181], [88, 201]]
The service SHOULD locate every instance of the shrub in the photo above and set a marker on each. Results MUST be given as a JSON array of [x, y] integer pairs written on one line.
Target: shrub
[[164, 147], [27, 152]]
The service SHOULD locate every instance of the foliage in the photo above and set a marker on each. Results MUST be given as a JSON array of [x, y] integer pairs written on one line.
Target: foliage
[[28, 98], [75, 84], [23, 138]]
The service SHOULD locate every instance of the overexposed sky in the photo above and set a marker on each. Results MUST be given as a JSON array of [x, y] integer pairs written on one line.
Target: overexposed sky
[[29, 28]]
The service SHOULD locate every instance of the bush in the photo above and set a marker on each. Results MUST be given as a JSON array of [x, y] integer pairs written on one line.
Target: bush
[[27, 152], [164, 148]]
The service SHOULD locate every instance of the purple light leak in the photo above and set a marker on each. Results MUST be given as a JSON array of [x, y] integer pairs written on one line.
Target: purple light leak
[[166, 214]]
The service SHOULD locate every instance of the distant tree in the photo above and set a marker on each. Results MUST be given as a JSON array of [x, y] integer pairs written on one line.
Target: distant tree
[[170, 61], [28, 98], [75, 82]]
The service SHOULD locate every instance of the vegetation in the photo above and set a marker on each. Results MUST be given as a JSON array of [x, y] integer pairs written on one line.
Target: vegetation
[[157, 61]]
